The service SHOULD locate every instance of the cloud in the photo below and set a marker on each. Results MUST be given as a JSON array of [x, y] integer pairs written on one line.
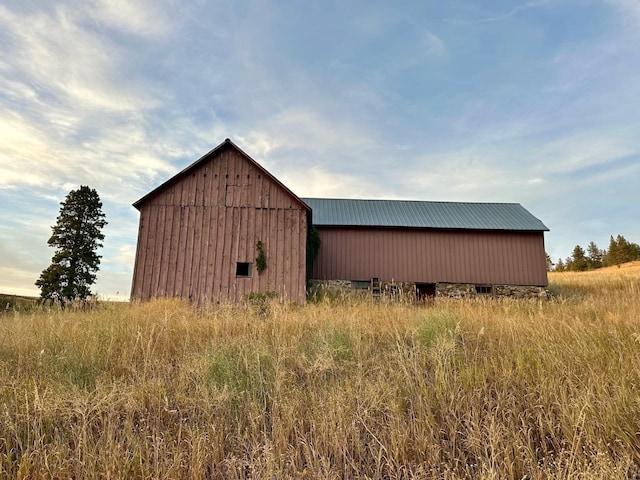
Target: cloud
[[630, 10], [318, 182], [17, 137], [302, 134], [119, 261], [504, 16], [434, 44], [568, 154], [142, 17], [109, 163], [56, 54]]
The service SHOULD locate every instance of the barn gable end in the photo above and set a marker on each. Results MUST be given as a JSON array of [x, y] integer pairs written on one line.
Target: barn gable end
[[198, 233]]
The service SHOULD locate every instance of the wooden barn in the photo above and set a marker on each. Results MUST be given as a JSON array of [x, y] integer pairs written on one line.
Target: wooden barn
[[202, 231], [224, 227], [431, 245]]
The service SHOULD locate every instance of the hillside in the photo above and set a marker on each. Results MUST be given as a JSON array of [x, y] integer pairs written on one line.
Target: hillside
[[462, 389], [15, 301], [629, 268]]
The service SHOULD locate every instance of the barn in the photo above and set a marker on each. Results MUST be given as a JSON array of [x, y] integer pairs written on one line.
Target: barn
[[224, 227], [202, 231], [435, 247]]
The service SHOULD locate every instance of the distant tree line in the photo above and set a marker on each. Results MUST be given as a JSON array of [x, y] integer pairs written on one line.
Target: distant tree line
[[620, 251]]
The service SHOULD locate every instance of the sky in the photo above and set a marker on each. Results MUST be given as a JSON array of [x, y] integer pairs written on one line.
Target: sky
[[535, 102]]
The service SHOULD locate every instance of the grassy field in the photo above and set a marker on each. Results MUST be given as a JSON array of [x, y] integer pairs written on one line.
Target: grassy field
[[462, 389]]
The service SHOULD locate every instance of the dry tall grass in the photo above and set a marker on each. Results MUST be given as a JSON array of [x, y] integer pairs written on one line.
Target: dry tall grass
[[475, 389]]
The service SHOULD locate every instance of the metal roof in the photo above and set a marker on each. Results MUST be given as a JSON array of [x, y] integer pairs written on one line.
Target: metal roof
[[419, 214]]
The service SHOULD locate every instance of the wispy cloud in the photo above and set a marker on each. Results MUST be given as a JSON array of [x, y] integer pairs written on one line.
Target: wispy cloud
[[56, 55], [142, 17], [503, 16], [434, 44]]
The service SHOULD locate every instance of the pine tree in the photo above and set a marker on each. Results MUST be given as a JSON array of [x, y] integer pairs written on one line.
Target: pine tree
[[568, 264], [612, 253], [629, 251], [560, 266], [76, 237], [578, 261], [621, 251], [595, 256]]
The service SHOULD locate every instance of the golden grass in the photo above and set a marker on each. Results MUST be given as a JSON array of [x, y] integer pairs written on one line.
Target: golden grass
[[463, 389]]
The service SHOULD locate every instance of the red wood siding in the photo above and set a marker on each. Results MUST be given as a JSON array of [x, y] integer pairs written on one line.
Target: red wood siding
[[194, 232], [431, 256]]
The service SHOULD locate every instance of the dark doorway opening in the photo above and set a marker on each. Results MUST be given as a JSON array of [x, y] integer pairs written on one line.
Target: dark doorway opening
[[425, 292]]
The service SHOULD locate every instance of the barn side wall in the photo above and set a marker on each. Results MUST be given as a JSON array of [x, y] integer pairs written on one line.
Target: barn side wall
[[431, 256], [193, 233]]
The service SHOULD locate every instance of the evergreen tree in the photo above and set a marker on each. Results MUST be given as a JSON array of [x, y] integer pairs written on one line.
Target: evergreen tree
[[630, 251], [76, 237], [549, 262], [595, 256], [578, 260], [568, 264], [612, 253], [560, 266], [621, 251]]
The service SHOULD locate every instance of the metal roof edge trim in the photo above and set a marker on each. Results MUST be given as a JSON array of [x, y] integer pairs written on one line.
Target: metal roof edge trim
[[448, 229]]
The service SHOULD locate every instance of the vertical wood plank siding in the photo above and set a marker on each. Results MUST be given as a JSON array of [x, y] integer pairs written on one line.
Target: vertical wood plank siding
[[431, 256], [193, 233]]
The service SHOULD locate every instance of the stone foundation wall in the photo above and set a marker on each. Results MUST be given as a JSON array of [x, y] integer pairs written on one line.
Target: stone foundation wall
[[466, 290], [396, 291], [405, 291]]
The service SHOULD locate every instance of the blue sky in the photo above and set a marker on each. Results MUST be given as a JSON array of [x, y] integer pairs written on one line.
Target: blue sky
[[535, 102]]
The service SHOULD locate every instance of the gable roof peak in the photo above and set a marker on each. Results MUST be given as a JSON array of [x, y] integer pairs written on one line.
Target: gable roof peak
[[225, 144]]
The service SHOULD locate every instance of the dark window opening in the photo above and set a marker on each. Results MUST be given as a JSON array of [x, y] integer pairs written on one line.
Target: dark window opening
[[425, 291], [243, 269], [483, 289], [360, 284]]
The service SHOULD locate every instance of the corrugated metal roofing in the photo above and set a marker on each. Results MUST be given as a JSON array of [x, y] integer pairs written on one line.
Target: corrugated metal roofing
[[419, 214]]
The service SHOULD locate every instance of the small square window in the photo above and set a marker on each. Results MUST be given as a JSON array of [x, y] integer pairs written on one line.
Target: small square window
[[243, 269], [483, 289]]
